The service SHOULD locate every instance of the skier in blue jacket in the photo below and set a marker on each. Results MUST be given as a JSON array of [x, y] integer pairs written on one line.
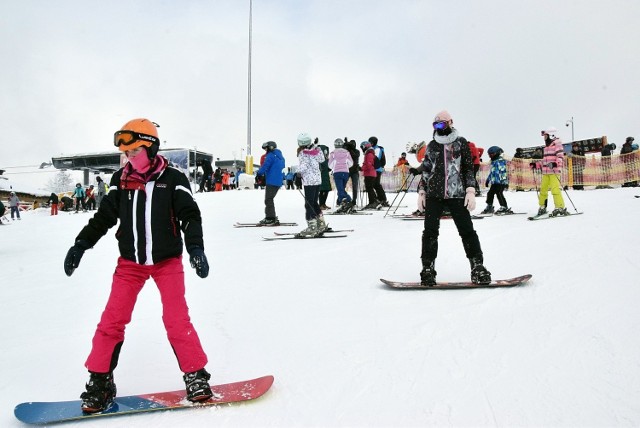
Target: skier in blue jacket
[[497, 181], [271, 169]]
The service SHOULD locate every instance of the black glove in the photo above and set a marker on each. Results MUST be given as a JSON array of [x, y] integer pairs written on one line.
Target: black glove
[[74, 255], [552, 165], [532, 165], [414, 171], [199, 262]]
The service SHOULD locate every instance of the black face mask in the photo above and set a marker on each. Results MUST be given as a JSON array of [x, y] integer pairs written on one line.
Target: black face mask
[[444, 132], [547, 141]]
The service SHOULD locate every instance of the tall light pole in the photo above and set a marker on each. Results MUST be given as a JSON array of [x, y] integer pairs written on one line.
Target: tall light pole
[[570, 122], [249, 158]]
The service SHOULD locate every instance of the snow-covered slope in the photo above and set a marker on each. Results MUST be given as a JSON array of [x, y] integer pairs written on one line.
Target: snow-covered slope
[[563, 350]]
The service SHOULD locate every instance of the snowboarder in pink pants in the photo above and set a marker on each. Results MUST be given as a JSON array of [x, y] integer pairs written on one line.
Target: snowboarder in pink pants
[[155, 207]]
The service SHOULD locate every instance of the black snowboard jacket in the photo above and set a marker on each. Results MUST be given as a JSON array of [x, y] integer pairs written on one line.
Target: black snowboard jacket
[[151, 216]]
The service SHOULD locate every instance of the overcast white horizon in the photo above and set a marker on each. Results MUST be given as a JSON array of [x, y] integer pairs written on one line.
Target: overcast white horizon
[[75, 71]]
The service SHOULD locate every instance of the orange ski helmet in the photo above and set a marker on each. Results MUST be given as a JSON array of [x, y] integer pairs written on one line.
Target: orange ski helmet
[[136, 133]]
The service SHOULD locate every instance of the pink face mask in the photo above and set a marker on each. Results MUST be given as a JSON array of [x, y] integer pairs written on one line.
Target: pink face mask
[[141, 162]]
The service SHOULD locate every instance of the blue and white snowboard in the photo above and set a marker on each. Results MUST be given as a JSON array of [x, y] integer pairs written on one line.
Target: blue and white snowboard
[[43, 413]]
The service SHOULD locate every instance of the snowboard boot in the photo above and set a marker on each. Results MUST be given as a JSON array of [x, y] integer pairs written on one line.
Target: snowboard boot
[[322, 225], [270, 221], [100, 393], [197, 384], [479, 274], [488, 209], [559, 212], [428, 273], [311, 231]]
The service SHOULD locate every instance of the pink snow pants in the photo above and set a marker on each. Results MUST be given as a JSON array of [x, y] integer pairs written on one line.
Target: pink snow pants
[[128, 280]]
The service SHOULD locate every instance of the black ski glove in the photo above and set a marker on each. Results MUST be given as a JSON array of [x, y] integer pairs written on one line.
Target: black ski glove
[[414, 171], [199, 262], [552, 165], [74, 255]]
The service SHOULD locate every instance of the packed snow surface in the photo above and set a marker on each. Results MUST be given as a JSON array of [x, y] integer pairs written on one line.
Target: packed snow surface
[[562, 350]]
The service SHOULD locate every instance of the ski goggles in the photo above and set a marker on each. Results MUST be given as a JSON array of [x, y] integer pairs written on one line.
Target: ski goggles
[[440, 125], [129, 138]]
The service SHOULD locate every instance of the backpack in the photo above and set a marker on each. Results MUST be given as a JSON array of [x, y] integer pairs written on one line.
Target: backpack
[[379, 162], [376, 162]]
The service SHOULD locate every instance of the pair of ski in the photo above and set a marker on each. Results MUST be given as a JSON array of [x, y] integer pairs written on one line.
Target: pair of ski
[[497, 214], [411, 217], [287, 236], [349, 213], [546, 216], [239, 225]]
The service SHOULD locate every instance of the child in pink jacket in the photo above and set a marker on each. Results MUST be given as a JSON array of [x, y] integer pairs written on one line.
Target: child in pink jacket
[[339, 162], [552, 163]]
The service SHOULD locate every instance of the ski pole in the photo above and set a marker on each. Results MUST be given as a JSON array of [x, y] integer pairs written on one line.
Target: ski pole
[[405, 194], [307, 202], [567, 193], [533, 171], [363, 193], [404, 182]]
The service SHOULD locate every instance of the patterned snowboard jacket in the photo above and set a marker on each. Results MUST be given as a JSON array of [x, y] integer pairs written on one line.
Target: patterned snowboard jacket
[[447, 169]]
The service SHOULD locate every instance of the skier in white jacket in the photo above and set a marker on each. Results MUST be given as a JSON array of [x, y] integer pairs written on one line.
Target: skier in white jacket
[[310, 157]]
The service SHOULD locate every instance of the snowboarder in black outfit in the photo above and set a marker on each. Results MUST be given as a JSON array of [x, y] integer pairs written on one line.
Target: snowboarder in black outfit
[[447, 171]]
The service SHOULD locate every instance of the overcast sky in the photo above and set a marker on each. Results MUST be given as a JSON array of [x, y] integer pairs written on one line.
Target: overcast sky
[[74, 71]]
